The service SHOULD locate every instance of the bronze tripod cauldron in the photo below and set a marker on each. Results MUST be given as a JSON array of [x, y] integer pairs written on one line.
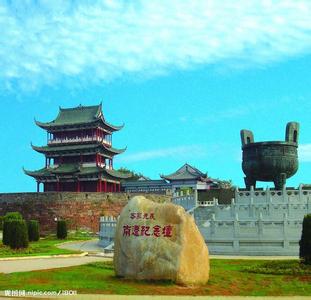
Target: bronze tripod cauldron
[[270, 161]]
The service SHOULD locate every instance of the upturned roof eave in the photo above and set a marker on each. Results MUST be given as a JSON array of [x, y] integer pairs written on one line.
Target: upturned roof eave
[[100, 119], [76, 171], [182, 178], [48, 149], [185, 173], [119, 174]]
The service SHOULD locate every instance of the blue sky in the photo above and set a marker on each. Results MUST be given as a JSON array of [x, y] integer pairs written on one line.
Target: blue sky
[[184, 76]]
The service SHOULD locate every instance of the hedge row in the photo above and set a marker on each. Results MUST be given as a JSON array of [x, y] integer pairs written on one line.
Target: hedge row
[[17, 233]]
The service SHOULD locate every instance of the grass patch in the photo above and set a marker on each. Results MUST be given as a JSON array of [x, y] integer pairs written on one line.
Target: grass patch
[[227, 277], [288, 267], [45, 246]]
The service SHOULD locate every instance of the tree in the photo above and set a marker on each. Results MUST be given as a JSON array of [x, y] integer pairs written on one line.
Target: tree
[[225, 184], [61, 229], [305, 242], [19, 234], [134, 175], [33, 230], [6, 234]]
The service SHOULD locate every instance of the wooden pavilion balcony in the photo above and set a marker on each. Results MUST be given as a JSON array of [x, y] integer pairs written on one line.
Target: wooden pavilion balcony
[[77, 139], [86, 164], [99, 164]]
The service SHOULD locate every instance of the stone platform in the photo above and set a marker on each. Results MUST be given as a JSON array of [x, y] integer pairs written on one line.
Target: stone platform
[[257, 222]]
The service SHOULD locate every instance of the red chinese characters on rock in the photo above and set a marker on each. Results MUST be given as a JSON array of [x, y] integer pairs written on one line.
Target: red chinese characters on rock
[[139, 215], [126, 230], [157, 231], [167, 230], [143, 230], [135, 229]]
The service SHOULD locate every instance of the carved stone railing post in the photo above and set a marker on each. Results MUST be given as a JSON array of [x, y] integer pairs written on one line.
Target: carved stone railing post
[[285, 231], [213, 225]]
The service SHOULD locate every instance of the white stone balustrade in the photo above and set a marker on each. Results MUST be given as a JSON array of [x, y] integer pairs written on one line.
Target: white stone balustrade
[[107, 230]]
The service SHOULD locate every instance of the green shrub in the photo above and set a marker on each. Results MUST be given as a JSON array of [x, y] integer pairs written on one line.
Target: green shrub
[[305, 242], [33, 230], [19, 234], [13, 216], [61, 229], [1, 223], [6, 234], [279, 267]]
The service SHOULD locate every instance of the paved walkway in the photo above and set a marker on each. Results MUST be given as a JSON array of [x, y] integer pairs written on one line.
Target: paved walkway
[[91, 246], [96, 254], [33, 264]]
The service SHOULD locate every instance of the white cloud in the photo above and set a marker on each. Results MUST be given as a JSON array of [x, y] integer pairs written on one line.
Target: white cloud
[[42, 42], [180, 152], [238, 111], [304, 152]]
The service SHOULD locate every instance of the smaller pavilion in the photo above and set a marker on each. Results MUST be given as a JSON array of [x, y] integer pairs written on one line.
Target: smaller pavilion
[[187, 180]]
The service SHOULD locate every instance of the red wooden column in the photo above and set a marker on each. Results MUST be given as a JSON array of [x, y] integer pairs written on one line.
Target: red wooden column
[[105, 186], [99, 185], [114, 187], [78, 185], [119, 187]]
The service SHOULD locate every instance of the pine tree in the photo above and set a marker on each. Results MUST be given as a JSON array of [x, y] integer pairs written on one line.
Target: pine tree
[[305, 242]]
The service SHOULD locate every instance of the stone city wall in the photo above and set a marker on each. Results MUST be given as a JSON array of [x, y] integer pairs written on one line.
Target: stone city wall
[[81, 210]]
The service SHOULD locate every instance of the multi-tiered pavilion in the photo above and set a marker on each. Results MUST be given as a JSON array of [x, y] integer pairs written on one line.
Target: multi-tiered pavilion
[[79, 153]]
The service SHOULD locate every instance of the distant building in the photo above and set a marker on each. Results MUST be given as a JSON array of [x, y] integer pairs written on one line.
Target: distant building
[[185, 181], [79, 153], [147, 186], [188, 180]]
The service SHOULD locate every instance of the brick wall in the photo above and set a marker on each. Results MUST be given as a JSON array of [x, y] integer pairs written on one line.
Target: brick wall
[[81, 210]]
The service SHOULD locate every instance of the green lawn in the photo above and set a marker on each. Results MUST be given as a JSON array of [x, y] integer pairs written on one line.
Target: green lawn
[[228, 277], [45, 246]]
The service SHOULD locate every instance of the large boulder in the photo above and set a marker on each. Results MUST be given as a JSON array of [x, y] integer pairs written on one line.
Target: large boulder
[[159, 241]]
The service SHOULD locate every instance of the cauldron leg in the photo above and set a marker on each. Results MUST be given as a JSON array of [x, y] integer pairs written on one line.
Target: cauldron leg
[[249, 181], [280, 181]]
